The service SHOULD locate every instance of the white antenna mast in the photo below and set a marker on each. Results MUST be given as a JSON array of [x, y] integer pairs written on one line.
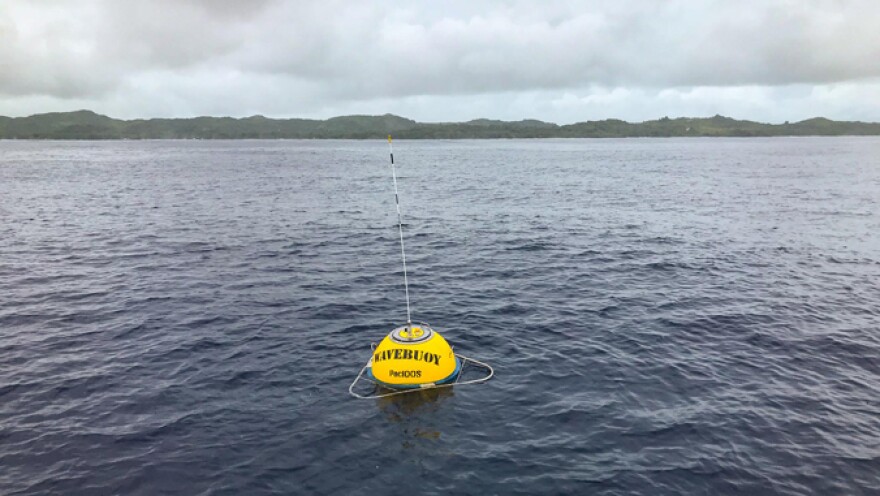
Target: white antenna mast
[[400, 230]]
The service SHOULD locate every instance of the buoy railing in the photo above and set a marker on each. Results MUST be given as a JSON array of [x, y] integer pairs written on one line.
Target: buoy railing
[[377, 387]]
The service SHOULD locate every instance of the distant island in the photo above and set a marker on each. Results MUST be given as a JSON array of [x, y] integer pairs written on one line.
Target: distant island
[[85, 124]]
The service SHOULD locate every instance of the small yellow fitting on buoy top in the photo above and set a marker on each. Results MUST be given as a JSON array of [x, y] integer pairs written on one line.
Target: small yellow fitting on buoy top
[[413, 356]]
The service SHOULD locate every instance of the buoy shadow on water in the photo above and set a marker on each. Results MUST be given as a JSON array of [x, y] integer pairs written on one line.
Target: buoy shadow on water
[[414, 358]]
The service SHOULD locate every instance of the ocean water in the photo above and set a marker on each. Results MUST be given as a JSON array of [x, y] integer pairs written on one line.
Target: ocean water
[[665, 316]]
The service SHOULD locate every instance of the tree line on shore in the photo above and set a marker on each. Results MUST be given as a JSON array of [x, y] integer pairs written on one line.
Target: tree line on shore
[[85, 124]]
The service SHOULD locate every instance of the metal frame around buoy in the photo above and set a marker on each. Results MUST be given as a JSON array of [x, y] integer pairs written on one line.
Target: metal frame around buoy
[[421, 387]]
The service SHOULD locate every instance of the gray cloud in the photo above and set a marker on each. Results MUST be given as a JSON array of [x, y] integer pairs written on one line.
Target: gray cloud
[[302, 58]]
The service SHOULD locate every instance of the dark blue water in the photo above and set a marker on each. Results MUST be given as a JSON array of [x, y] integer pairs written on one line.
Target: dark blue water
[[675, 316]]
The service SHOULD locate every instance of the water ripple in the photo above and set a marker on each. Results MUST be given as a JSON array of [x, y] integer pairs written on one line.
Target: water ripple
[[665, 316]]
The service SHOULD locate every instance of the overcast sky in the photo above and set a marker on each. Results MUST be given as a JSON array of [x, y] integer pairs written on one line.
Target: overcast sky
[[766, 60]]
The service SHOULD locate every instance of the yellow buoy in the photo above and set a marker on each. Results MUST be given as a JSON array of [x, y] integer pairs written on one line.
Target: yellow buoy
[[413, 356]]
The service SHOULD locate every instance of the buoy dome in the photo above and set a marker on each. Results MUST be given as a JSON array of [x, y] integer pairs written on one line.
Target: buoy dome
[[411, 356]]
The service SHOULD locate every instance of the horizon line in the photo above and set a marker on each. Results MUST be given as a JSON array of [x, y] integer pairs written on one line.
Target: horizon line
[[389, 114]]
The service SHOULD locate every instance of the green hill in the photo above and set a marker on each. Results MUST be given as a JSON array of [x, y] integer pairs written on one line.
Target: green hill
[[85, 124]]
